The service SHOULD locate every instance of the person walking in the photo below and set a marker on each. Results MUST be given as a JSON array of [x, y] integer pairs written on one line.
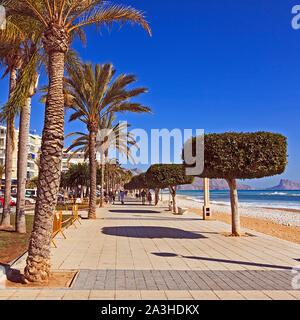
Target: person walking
[[150, 198], [110, 196], [122, 195], [143, 194]]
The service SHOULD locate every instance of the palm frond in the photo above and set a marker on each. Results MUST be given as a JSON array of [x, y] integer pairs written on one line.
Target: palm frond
[[20, 94], [106, 14]]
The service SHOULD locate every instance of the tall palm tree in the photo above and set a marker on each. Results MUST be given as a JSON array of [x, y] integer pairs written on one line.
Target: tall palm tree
[[94, 95], [33, 56], [22, 35], [117, 137], [58, 18], [11, 57]]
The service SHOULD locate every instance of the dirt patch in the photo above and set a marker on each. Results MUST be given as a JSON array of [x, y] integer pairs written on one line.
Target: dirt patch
[[288, 233], [58, 279]]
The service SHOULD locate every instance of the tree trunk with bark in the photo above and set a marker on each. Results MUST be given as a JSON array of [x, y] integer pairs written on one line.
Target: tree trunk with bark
[[22, 159], [234, 208], [56, 43], [107, 175], [93, 174], [5, 223], [173, 191], [102, 179], [156, 193]]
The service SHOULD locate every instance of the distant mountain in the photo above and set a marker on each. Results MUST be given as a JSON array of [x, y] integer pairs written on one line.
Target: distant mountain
[[214, 184], [136, 171], [286, 185]]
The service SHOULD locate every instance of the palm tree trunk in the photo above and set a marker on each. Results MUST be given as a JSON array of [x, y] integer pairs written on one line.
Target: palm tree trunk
[[22, 160], [38, 261], [107, 175], [234, 208], [102, 179], [93, 175], [5, 223]]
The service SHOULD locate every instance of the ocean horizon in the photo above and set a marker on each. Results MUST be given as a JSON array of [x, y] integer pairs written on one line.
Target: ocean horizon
[[288, 199]]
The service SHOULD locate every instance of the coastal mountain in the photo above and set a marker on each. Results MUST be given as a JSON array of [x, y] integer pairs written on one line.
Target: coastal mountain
[[214, 184], [136, 171], [286, 185]]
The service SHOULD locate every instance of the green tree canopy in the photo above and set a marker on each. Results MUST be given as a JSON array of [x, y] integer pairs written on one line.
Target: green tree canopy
[[160, 176], [243, 155], [234, 156], [165, 175]]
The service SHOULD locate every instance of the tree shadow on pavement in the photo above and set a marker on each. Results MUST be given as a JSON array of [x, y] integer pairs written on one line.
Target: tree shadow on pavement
[[262, 265], [151, 232], [132, 211]]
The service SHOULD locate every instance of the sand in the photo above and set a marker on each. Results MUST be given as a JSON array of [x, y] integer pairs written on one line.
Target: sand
[[280, 223]]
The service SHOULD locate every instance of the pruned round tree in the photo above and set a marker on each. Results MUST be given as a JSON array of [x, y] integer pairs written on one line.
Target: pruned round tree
[[137, 182], [141, 181], [161, 176], [234, 156]]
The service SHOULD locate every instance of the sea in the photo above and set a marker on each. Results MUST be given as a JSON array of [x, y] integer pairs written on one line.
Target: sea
[[250, 198]]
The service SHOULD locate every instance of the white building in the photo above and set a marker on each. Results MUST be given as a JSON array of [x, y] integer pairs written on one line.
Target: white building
[[34, 149]]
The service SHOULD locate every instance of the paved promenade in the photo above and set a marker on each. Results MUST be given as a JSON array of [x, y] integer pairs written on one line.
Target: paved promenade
[[142, 252]]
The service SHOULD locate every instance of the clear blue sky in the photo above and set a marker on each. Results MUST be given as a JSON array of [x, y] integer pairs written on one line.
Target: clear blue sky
[[218, 65]]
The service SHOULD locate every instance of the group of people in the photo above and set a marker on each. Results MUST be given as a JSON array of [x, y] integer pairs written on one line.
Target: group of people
[[144, 195], [112, 196]]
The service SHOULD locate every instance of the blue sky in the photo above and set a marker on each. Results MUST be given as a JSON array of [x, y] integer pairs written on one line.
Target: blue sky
[[218, 65]]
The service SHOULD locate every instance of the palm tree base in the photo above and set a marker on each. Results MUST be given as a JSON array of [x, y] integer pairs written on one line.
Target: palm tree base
[[92, 215], [37, 270], [6, 228]]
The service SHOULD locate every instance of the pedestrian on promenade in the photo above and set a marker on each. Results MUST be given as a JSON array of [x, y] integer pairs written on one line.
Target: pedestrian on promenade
[[110, 196], [150, 198], [143, 194], [122, 194]]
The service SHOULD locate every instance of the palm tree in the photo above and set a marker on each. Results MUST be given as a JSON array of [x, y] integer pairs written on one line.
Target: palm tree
[[24, 124], [22, 36], [57, 20], [93, 97], [78, 176], [116, 137], [10, 55]]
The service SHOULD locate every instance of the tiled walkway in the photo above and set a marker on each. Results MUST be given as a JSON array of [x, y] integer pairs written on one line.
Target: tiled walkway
[[142, 252]]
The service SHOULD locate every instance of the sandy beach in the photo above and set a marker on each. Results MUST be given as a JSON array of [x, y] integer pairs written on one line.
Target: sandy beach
[[280, 223]]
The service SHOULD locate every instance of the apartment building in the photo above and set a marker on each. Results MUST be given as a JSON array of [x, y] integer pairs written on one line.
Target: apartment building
[[67, 161], [34, 148]]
